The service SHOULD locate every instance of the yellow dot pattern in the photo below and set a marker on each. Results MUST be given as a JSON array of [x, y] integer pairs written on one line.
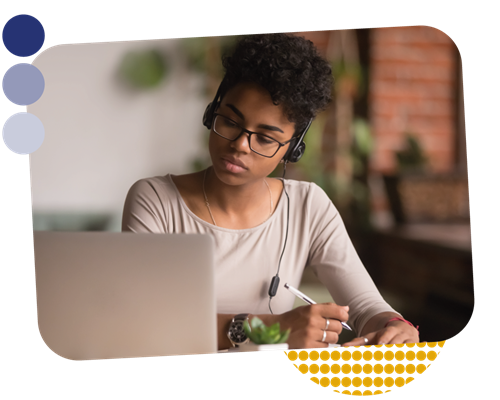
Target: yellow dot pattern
[[366, 370]]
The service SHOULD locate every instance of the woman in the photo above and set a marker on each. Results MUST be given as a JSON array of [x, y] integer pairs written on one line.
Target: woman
[[273, 87]]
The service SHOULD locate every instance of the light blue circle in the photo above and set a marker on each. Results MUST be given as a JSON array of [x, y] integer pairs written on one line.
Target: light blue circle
[[23, 84], [23, 133]]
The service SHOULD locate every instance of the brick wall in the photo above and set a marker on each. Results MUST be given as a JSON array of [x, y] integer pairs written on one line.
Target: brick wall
[[412, 87]]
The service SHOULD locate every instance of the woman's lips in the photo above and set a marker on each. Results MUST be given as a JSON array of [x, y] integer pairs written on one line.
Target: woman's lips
[[235, 161], [232, 167]]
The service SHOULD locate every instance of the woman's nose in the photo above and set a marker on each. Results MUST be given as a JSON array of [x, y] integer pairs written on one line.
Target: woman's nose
[[242, 143]]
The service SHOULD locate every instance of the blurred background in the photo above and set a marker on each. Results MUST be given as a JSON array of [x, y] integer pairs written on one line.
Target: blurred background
[[389, 151]]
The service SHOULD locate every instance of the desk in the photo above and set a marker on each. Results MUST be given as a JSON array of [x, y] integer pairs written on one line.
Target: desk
[[236, 350], [428, 267]]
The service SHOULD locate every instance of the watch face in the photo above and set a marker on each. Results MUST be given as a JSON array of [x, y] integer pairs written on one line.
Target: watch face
[[236, 332]]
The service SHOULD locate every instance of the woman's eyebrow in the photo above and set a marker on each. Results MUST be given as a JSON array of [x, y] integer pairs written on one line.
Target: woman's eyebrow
[[261, 126]]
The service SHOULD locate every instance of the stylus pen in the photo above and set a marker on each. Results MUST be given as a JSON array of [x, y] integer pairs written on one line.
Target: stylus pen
[[303, 297]]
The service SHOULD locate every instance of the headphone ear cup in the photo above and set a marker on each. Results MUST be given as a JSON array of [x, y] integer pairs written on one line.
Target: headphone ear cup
[[207, 116], [297, 153], [292, 150]]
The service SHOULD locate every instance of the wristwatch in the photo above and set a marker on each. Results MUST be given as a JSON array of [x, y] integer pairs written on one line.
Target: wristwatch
[[236, 334]]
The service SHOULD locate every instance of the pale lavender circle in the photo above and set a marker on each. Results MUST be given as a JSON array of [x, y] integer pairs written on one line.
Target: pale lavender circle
[[23, 133], [23, 84]]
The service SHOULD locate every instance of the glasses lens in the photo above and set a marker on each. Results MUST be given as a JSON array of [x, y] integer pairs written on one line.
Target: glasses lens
[[226, 128], [259, 143], [263, 145]]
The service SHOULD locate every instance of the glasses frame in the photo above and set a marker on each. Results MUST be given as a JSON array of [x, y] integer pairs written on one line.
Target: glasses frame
[[250, 133]]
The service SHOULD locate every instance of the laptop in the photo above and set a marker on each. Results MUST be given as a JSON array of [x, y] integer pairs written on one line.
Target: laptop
[[104, 295]]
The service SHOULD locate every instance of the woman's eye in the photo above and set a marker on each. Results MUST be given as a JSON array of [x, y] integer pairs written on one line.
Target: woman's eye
[[264, 139], [228, 122]]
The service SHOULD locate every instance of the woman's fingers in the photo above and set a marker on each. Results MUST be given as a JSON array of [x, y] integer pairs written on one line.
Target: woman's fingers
[[389, 335], [333, 325], [333, 311], [309, 323], [379, 337], [330, 337], [360, 341]]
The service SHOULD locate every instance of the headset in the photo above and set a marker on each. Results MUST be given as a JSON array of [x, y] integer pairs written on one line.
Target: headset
[[292, 155]]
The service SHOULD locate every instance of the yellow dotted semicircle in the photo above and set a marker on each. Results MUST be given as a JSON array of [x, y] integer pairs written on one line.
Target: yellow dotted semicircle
[[392, 367]]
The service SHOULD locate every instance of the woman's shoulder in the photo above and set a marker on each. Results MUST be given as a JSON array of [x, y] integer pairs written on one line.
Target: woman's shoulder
[[155, 184], [309, 195], [187, 183], [153, 180], [304, 189]]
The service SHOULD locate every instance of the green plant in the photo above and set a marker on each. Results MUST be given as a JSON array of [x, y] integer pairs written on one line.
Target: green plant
[[349, 76], [261, 334], [203, 53], [412, 157], [144, 69]]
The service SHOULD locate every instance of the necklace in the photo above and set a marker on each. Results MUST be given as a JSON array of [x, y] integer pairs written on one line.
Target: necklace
[[208, 205]]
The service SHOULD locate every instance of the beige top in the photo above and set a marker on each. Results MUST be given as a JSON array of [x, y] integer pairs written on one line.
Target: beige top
[[247, 259]]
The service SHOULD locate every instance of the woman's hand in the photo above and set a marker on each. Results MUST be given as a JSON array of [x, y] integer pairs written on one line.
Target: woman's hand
[[396, 332], [308, 324]]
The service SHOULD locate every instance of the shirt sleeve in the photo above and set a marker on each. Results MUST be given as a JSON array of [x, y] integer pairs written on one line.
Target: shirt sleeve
[[143, 211], [335, 262]]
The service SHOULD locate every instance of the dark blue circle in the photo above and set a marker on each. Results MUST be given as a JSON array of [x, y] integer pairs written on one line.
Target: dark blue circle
[[23, 35]]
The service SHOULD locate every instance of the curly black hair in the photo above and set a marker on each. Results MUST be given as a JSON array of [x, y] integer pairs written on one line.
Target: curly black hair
[[289, 67]]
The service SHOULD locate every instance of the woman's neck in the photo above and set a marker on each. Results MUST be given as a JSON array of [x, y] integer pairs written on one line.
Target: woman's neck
[[233, 202]]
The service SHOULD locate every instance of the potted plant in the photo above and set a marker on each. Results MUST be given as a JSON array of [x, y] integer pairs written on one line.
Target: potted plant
[[416, 194], [263, 337], [410, 161]]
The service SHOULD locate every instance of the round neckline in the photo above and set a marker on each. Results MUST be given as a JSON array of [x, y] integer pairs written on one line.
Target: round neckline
[[220, 228]]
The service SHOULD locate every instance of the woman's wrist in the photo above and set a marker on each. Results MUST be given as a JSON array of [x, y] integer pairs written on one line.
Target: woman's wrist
[[397, 321]]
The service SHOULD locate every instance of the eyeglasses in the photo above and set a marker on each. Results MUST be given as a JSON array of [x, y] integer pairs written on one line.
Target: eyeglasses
[[259, 143]]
